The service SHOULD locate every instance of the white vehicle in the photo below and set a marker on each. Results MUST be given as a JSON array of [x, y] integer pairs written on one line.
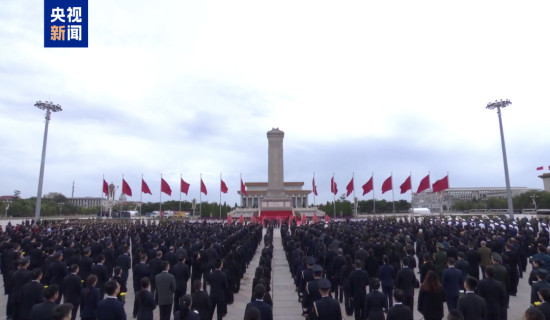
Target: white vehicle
[[420, 211]]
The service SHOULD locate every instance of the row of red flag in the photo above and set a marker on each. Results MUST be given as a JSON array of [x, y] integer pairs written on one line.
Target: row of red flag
[[542, 168], [439, 185], [165, 187]]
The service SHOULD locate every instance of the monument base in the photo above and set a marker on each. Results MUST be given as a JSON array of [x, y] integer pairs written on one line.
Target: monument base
[[273, 208]]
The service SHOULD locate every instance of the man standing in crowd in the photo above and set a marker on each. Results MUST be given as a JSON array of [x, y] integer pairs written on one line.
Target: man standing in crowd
[[406, 281], [110, 308], [218, 290], [472, 306], [452, 281], [326, 308], [71, 287], [166, 287], [358, 280], [494, 294], [265, 309]]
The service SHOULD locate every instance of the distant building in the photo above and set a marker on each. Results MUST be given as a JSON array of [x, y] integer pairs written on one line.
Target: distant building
[[88, 202], [256, 191], [446, 199]]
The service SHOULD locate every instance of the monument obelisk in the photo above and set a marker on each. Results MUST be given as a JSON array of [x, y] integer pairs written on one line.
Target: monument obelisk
[[275, 170], [275, 198]]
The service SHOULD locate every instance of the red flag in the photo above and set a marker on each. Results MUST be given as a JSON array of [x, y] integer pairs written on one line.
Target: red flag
[[387, 185], [315, 219], [105, 187], [304, 219], [406, 186], [441, 185], [164, 187], [541, 167], [314, 187], [424, 184], [184, 187], [145, 187], [229, 220], [349, 187], [253, 219], [126, 188], [203, 188], [367, 187], [223, 186], [241, 219], [333, 186], [327, 219], [243, 188]]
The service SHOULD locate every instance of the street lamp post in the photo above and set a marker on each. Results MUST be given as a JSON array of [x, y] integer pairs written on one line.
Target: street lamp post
[[49, 107], [498, 105]]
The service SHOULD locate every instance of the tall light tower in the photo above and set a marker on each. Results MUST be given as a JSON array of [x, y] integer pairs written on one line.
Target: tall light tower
[[498, 105], [49, 107]]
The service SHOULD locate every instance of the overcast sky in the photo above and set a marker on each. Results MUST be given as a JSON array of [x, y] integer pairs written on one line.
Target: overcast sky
[[191, 87]]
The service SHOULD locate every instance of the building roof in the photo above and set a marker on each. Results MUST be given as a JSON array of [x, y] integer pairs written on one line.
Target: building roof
[[7, 198], [264, 184]]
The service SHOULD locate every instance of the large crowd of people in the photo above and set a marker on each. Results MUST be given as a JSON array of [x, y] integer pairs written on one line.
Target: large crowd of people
[[86, 263], [376, 268], [470, 265]]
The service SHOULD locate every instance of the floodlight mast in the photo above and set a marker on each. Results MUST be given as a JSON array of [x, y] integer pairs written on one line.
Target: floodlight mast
[[498, 105], [49, 107]]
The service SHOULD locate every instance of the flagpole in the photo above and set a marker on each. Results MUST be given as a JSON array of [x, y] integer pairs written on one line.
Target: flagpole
[[102, 182], [220, 196], [410, 175], [181, 178], [392, 193], [200, 198], [354, 198], [333, 196], [314, 189], [160, 196], [120, 202], [373, 201], [141, 194]]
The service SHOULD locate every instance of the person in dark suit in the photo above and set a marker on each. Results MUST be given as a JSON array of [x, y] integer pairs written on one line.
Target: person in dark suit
[[182, 273], [265, 309], [62, 312], [218, 288], [125, 263], [89, 299], [102, 274], [110, 308], [16, 281], [57, 270], [201, 301], [406, 281], [85, 264], [166, 287], [325, 308], [474, 259], [470, 304], [386, 274], [399, 311], [44, 310], [140, 271], [452, 281], [376, 302], [358, 281], [71, 288], [494, 294], [144, 302], [31, 293], [544, 307], [185, 311], [431, 297], [541, 283], [312, 291]]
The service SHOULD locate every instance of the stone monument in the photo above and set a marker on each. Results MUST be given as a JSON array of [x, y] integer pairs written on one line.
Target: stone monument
[[275, 199]]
